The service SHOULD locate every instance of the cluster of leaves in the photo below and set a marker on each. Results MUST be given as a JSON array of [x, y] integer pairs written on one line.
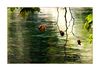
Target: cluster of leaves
[[90, 39], [88, 22], [26, 10], [12, 9], [88, 26]]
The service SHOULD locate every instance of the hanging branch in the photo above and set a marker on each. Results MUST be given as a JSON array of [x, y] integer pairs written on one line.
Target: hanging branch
[[60, 31], [66, 24], [57, 19], [65, 57], [72, 18]]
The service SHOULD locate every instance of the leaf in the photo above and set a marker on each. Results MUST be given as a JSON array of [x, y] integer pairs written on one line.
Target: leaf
[[90, 38], [89, 18], [88, 22]]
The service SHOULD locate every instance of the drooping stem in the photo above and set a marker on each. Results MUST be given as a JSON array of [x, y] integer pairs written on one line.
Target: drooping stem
[[66, 35], [66, 24], [57, 19], [72, 18]]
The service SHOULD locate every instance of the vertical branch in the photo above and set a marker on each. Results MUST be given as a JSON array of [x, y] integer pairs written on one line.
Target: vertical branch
[[72, 18], [66, 35], [66, 24], [57, 19]]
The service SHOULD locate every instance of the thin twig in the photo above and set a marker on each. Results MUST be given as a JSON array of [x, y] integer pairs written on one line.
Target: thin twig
[[57, 19], [72, 18], [66, 24], [65, 57]]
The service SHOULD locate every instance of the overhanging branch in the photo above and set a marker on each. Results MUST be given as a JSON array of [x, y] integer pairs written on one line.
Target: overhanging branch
[[57, 19], [66, 24], [72, 18]]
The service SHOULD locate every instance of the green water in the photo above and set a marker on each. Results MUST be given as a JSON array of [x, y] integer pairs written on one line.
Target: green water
[[26, 44]]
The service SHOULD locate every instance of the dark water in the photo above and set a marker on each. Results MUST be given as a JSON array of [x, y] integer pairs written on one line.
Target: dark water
[[26, 44]]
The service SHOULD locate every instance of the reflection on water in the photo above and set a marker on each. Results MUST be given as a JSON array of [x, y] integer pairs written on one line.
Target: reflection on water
[[26, 44]]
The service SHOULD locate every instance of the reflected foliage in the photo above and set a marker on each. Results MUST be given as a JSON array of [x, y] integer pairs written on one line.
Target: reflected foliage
[[33, 37]]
